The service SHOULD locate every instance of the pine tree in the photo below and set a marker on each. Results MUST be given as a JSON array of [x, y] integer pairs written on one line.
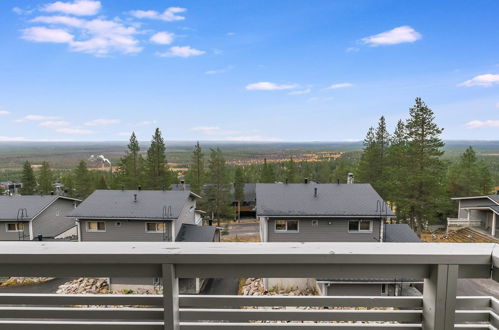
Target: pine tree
[[101, 183], [82, 183], [196, 174], [267, 174], [291, 171], [218, 191], [28, 179], [45, 179], [469, 176], [425, 188], [158, 173], [131, 165]]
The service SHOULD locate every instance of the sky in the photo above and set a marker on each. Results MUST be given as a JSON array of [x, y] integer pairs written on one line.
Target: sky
[[246, 70]]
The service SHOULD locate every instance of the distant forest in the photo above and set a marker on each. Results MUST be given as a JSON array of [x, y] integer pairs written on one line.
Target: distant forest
[[412, 167]]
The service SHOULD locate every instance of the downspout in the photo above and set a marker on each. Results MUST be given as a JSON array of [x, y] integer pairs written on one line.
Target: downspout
[[78, 229], [381, 230]]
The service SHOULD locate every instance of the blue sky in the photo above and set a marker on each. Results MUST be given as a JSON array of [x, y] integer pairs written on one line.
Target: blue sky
[[244, 70]]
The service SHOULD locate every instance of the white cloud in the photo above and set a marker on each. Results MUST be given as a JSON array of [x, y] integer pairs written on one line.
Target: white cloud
[[102, 122], [218, 71], [162, 38], [43, 34], [252, 138], [74, 131], [12, 138], [269, 86], [124, 133], [35, 118], [320, 99], [146, 122], [182, 51], [96, 36], [210, 130], [485, 80], [340, 85], [169, 15], [77, 7], [4, 112], [482, 123], [54, 123], [300, 92], [398, 35]]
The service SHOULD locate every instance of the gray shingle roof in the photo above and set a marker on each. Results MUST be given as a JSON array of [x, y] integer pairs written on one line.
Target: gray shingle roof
[[495, 208], [194, 233], [121, 204], [335, 200], [10, 205], [401, 233], [494, 198]]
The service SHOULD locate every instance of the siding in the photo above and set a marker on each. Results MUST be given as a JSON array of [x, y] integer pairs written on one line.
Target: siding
[[52, 221], [328, 230], [129, 231], [12, 236]]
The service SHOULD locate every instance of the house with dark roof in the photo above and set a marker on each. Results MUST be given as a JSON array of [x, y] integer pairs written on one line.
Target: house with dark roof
[[135, 215], [36, 217], [312, 212], [142, 216], [479, 212]]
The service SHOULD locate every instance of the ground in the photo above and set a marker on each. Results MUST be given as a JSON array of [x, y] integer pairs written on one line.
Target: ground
[[246, 230]]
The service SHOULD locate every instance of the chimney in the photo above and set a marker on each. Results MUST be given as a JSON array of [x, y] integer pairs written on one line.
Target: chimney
[[350, 178], [315, 192], [182, 183], [135, 197], [306, 180]]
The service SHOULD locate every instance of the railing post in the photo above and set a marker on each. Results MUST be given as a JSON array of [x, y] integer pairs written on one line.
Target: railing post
[[439, 298], [170, 297]]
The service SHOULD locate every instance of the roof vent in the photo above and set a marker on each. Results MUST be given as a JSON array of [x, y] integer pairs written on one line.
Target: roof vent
[[350, 178], [306, 180], [122, 187], [139, 188], [287, 181], [315, 192], [338, 181], [135, 197]]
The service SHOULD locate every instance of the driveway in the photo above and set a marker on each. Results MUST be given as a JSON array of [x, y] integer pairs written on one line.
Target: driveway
[[46, 287]]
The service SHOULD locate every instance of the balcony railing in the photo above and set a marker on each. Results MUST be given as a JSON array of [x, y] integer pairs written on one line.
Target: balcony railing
[[460, 222], [440, 265]]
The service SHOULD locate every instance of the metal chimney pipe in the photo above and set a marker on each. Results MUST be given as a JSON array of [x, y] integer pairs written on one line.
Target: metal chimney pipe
[[315, 192]]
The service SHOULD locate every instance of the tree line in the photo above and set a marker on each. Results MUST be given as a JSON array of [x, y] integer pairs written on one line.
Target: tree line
[[405, 167]]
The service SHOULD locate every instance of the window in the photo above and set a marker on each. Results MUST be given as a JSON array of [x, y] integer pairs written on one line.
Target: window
[[286, 226], [315, 223], [96, 226], [15, 227], [360, 226], [155, 227]]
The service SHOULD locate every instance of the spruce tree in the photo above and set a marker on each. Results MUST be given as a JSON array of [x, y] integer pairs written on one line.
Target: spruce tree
[[158, 174], [82, 183], [469, 176], [45, 179], [131, 165], [397, 159], [218, 191], [28, 179], [425, 187], [267, 174], [291, 171], [196, 173]]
